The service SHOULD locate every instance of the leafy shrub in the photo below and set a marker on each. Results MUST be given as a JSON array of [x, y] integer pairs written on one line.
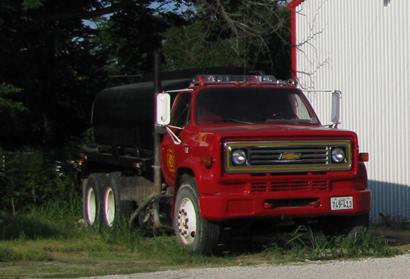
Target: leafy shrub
[[33, 177]]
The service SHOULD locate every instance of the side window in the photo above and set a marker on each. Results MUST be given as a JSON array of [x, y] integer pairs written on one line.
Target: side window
[[181, 110], [298, 107]]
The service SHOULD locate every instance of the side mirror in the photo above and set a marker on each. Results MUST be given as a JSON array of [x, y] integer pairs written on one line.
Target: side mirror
[[163, 109], [336, 102]]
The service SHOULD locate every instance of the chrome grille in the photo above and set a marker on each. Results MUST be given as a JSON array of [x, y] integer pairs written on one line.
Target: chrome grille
[[288, 156], [274, 155]]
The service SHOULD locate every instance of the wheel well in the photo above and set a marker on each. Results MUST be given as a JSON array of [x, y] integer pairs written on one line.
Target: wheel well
[[181, 172]]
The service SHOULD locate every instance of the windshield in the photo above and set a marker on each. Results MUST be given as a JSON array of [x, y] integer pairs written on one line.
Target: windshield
[[253, 105]]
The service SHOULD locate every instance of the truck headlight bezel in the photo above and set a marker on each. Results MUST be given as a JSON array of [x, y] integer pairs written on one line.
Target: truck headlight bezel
[[239, 157], [338, 155]]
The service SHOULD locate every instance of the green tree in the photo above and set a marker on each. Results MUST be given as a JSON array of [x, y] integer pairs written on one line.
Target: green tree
[[7, 102], [251, 34], [47, 53], [132, 33], [189, 47]]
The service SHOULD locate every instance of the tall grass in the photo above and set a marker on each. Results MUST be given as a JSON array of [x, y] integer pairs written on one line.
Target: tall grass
[[307, 244], [61, 221], [53, 220], [57, 229], [30, 178], [54, 233]]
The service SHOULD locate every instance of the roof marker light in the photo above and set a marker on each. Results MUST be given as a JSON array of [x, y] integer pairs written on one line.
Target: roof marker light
[[235, 78]]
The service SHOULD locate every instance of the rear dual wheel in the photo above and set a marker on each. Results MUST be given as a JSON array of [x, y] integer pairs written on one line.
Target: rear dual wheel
[[91, 208], [114, 208], [92, 187], [110, 202], [102, 204]]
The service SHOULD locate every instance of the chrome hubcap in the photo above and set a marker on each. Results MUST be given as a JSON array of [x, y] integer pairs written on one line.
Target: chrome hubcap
[[186, 221], [109, 206], [91, 206]]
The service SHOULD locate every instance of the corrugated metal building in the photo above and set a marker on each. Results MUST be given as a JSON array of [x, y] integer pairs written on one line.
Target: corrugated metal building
[[363, 49]]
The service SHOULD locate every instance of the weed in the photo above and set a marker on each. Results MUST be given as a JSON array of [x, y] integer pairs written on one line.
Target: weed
[[20, 251], [7, 254], [363, 244], [162, 247], [25, 227], [307, 244], [53, 220]]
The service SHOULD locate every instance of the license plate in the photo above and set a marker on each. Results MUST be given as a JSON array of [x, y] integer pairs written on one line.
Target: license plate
[[341, 203]]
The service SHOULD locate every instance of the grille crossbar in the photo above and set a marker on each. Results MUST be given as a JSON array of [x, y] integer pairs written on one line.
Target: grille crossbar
[[283, 186], [274, 155]]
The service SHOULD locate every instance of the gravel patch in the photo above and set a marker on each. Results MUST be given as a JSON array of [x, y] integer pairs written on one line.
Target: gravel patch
[[382, 268]]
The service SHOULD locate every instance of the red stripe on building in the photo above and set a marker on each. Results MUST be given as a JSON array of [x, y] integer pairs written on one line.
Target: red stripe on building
[[293, 52]]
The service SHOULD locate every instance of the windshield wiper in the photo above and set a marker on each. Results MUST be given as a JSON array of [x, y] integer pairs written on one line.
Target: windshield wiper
[[237, 121], [294, 121]]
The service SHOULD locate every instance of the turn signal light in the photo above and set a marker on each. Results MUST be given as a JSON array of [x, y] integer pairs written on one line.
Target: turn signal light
[[364, 157]]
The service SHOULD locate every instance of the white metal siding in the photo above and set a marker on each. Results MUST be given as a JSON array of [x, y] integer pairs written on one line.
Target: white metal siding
[[363, 49]]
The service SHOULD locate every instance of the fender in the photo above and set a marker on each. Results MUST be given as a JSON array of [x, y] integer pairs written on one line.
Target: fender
[[204, 177]]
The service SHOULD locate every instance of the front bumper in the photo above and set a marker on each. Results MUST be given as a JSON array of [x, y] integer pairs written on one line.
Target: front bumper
[[224, 206]]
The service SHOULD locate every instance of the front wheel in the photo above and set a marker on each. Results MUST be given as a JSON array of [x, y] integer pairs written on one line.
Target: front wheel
[[358, 225], [346, 225], [193, 233]]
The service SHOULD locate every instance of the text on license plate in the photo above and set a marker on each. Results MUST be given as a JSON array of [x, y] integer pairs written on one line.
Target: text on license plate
[[341, 203]]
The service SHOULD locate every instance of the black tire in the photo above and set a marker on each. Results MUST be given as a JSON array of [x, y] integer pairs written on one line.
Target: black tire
[[92, 187], [113, 209], [199, 236], [358, 225], [346, 225]]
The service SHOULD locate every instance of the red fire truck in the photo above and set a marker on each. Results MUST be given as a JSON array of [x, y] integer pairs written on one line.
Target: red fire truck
[[231, 147]]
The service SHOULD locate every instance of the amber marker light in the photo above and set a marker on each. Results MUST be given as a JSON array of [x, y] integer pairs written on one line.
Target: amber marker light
[[206, 161], [364, 157]]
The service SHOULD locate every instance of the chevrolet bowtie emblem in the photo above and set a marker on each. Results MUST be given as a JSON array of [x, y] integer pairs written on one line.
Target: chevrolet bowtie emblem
[[289, 156]]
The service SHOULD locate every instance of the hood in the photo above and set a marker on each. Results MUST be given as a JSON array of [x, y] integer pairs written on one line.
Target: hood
[[275, 130]]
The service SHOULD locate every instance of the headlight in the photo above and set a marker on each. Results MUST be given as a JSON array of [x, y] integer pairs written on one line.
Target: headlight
[[239, 157], [338, 155]]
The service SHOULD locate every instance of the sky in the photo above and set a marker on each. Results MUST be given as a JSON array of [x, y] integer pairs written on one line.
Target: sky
[[154, 5]]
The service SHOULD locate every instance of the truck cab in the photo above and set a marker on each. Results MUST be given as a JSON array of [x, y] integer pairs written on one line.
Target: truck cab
[[252, 147]]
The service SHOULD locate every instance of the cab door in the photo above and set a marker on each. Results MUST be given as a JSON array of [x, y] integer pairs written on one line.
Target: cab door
[[172, 147]]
